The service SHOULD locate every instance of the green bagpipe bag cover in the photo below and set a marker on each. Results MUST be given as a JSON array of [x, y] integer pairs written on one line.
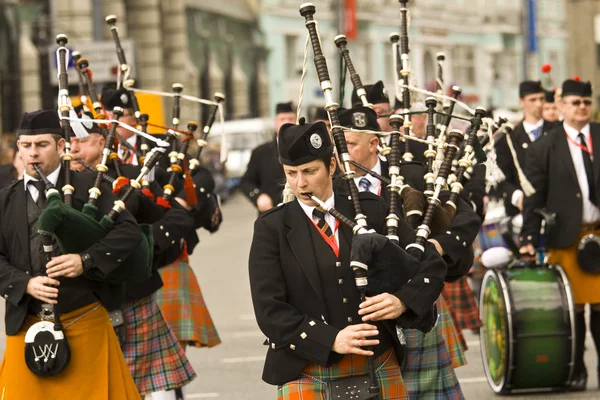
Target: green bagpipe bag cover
[[75, 231]]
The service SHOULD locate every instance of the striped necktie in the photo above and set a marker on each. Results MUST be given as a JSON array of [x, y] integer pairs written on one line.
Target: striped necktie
[[322, 224]]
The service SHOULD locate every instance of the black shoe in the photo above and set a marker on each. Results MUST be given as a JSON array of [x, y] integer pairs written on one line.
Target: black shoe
[[579, 382]]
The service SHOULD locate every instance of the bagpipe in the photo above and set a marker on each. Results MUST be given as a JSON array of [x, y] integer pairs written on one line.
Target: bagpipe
[[74, 230], [177, 177], [47, 351], [416, 190]]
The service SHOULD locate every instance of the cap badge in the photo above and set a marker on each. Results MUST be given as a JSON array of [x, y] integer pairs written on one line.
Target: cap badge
[[124, 98], [359, 119], [316, 141]]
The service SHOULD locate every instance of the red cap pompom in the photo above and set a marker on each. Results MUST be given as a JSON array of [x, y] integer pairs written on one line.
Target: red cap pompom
[[576, 78], [546, 68]]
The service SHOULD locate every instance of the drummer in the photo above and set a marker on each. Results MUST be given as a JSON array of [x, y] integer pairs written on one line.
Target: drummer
[[564, 172]]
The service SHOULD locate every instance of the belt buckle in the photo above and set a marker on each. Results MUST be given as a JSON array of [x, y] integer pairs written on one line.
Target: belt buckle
[[47, 312]]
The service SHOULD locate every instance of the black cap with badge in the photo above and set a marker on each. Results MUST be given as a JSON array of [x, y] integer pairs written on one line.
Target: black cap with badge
[[550, 96], [303, 143], [112, 98], [359, 118]]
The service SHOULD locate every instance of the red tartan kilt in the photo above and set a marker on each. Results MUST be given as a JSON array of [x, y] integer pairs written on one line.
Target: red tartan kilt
[[183, 306], [461, 299], [388, 372]]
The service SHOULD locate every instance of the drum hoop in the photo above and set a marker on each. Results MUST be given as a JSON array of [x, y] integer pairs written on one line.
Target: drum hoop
[[508, 304], [571, 305], [496, 273]]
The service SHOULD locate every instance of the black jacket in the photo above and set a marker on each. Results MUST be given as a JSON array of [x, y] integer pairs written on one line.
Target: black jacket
[[295, 306], [8, 174], [551, 171], [15, 266], [457, 240], [521, 143], [169, 227], [264, 174]]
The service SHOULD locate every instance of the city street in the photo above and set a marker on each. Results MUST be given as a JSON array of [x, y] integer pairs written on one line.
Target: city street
[[232, 370]]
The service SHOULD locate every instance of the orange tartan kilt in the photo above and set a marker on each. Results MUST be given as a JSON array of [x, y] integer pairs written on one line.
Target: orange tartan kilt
[[97, 370], [585, 286]]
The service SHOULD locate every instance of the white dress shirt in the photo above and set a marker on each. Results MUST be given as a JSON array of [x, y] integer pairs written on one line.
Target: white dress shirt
[[331, 221], [133, 142], [591, 213], [53, 177], [375, 183]]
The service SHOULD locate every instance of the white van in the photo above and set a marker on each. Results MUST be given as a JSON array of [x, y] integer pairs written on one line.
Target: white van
[[241, 137]]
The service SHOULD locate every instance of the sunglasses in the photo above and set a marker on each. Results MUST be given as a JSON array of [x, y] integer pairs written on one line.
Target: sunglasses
[[577, 103]]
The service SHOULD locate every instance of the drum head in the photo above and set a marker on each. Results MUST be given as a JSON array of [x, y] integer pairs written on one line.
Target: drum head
[[494, 335]]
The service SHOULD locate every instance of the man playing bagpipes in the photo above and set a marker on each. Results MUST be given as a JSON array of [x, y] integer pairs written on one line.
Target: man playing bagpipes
[[180, 298], [564, 171], [430, 360], [156, 360], [303, 288], [97, 369]]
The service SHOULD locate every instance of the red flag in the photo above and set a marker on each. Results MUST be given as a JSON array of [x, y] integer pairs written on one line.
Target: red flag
[[350, 19]]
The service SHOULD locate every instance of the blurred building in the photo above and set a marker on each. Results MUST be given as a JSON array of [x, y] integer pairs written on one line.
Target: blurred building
[[483, 42], [584, 41], [204, 45]]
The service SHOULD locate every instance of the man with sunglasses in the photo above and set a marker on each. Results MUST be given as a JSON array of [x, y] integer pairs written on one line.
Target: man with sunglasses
[[530, 129], [564, 169]]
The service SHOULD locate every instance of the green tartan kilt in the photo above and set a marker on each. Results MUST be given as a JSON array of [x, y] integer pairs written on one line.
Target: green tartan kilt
[[428, 372]]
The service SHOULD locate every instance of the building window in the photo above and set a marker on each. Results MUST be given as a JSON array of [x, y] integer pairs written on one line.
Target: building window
[[463, 65], [291, 57]]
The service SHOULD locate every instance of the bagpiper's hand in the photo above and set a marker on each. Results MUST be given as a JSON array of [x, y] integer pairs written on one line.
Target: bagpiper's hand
[[69, 265], [43, 289], [380, 307], [264, 202], [350, 339], [527, 250], [438, 246]]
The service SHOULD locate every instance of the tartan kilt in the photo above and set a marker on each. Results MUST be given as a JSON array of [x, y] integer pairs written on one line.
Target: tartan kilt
[[428, 372], [461, 299], [183, 307], [308, 386], [155, 359], [453, 337]]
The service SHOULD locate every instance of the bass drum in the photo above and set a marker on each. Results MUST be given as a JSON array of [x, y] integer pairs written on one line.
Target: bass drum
[[527, 337]]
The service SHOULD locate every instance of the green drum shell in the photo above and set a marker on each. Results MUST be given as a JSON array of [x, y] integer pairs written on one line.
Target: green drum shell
[[528, 329]]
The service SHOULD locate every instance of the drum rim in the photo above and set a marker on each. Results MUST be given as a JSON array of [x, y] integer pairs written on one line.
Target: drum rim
[[502, 386], [571, 305]]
